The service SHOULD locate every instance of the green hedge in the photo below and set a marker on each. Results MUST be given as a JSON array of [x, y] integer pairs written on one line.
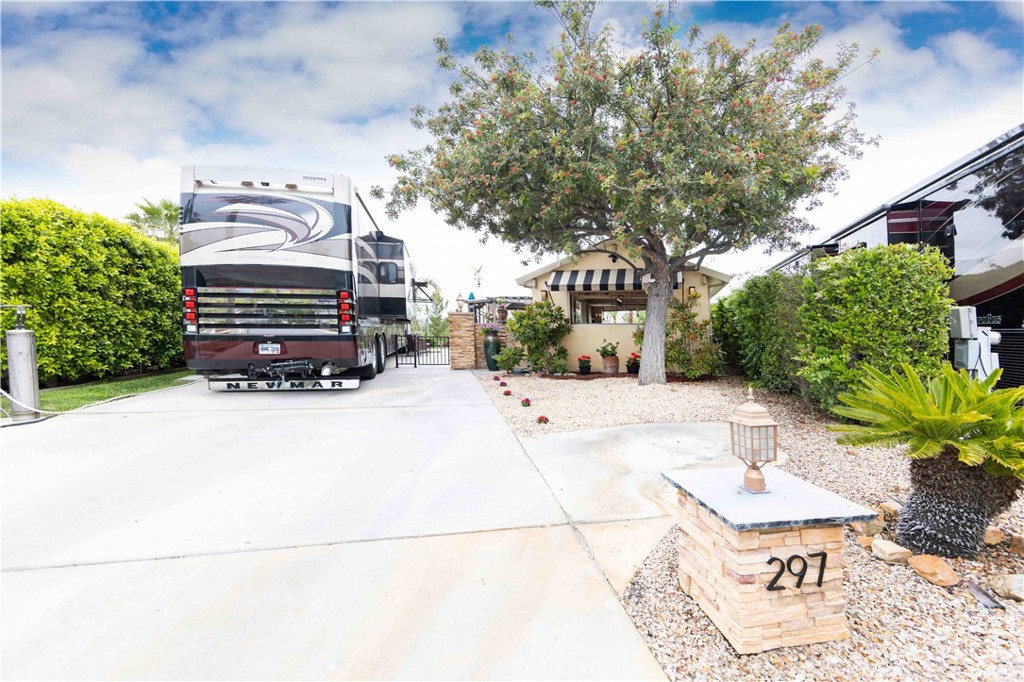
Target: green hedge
[[882, 307], [105, 299], [759, 327]]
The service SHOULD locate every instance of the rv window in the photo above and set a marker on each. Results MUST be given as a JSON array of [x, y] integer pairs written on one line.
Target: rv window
[[387, 273]]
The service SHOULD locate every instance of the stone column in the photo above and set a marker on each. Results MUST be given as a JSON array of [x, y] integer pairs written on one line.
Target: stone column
[[462, 343], [766, 567]]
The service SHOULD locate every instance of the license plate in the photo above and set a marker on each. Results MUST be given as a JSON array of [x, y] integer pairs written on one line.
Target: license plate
[[269, 349]]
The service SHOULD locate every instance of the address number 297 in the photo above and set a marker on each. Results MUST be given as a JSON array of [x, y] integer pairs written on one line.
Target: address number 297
[[797, 565]]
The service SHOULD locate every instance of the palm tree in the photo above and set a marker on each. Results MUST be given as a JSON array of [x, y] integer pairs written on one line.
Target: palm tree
[[156, 220], [966, 448]]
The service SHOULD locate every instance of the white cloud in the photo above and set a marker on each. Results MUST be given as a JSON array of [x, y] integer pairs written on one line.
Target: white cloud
[[1012, 10]]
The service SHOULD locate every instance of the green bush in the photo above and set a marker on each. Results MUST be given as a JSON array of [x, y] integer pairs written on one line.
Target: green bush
[[766, 327], [689, 348], [881, 307], [539, 328], [723, 328], [509, 358], [105, 300]]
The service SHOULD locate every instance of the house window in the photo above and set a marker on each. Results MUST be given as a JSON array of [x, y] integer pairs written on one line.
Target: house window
[[608, 307]]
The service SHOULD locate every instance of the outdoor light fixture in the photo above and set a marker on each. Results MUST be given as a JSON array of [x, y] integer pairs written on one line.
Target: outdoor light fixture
[[691, 291], [755, 441], [460, 302]]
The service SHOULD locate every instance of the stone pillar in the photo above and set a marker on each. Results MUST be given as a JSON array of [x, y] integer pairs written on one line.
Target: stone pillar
[[463, 342], [767, 567]]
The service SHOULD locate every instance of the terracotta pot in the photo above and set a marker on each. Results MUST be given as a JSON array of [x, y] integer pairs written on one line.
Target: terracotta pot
[[611, 365]]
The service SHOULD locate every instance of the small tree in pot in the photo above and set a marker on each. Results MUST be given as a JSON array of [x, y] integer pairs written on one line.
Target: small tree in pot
[[965, 443]]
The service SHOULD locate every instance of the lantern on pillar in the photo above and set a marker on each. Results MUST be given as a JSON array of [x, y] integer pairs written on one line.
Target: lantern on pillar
[[755, 440]]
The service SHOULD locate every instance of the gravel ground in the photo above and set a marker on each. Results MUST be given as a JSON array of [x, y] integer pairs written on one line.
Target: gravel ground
[[901, 627]]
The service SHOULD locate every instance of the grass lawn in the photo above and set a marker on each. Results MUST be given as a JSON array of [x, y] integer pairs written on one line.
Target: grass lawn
[[70, 397]]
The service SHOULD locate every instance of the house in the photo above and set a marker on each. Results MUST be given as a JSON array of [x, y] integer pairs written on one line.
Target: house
[[603, 294], [973, 211]]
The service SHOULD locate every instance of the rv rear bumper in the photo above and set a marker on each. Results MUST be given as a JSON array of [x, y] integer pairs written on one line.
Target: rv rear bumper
[[227, 355]]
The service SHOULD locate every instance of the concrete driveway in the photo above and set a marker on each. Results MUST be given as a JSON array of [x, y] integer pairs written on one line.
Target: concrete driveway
[[397, 531]]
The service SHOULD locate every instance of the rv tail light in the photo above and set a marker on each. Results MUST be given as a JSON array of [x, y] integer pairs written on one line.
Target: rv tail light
[[345, 306], [344, 295], [191, 328], [189, 303], [190, 316], [190, 292], [346, 318], [346, 329]]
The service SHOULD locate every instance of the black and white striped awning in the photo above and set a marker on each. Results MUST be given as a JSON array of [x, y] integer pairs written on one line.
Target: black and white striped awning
[[621, 279]]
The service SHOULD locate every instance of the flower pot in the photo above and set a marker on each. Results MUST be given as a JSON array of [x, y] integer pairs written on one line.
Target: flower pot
[[633, 369], [492, 346], [611, 364], [585, 370]]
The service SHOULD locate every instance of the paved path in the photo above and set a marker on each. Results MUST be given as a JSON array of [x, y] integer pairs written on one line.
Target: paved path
[[397, 531]]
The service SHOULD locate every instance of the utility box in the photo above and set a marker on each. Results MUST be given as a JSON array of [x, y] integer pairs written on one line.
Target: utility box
[[963, 322]]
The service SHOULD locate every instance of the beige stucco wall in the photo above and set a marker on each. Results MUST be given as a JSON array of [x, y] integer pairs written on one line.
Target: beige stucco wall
[[585, 338]]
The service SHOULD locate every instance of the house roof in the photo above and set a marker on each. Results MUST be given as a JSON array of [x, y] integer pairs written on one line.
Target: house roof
[[568, 260]]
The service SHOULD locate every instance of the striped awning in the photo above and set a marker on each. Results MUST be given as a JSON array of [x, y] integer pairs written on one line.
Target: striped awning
[[621, 279]]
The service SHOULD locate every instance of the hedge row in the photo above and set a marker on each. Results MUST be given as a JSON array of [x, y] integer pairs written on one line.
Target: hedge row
[[816, 331], [105, 299]]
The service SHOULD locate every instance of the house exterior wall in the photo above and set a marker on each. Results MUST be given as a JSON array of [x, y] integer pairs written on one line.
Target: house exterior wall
[[585, 338]]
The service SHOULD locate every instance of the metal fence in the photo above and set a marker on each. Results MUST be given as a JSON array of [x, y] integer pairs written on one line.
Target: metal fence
[[423, 350]]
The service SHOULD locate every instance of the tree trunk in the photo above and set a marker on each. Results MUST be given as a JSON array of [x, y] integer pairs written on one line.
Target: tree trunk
[[950, 505], [652, 353]]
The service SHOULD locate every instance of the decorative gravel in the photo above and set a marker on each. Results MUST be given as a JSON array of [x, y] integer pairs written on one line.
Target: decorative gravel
[[901, 627]]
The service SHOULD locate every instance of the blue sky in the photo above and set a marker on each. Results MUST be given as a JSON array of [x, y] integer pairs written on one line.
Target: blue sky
[[103, 102]]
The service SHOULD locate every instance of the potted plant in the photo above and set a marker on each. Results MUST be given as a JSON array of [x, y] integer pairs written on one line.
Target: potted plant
[[609, 356], [492, 345], [502, 309], [584, 362], [965, 443], [633, 363]]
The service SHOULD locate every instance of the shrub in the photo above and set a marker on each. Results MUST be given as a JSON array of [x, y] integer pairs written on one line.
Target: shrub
[[105, 300], [689, 348], [539, 329], [883, 307], [765, 325], [508, 358], [966, 446], [724, 332]]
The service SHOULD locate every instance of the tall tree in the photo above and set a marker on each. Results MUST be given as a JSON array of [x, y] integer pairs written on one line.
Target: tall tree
[[678, 150], [156, 220]]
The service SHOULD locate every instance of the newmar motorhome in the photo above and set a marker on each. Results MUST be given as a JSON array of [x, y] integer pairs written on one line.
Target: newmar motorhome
[[287, 281]]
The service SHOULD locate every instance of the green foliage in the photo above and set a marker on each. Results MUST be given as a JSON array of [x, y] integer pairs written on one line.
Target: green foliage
[[159, 221], [608, 349], [950, 411], [882, 307], [677, 149], [725, 334], [762, 328], [509, 358], [104, 299], [539, 328], [689, 348]]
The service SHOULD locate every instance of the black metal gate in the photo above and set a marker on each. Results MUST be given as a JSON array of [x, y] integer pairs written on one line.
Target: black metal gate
[[423, 350]]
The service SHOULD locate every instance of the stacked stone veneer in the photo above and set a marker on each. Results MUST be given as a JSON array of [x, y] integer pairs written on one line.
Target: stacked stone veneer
[[724, 560], [727, 573], [467, 342]]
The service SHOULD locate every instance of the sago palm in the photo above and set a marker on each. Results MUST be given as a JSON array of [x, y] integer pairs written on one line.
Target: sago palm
[[966, 446]]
